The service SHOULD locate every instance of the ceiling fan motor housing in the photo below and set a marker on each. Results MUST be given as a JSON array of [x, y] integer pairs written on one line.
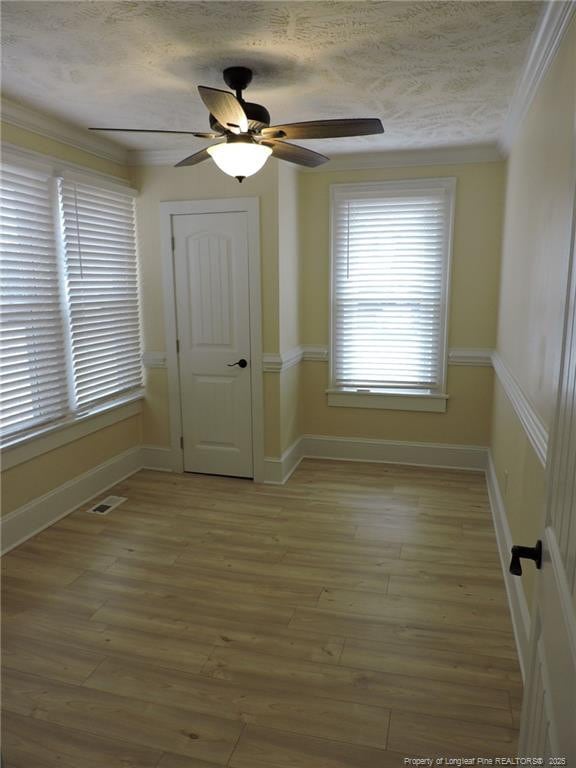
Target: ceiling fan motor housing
[[258, 117]]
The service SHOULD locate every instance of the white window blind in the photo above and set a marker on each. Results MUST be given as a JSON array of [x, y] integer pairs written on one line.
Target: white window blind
[[102, 289], [390, 266], [33, 388]]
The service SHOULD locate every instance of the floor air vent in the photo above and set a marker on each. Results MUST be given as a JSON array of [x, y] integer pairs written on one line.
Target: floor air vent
[[104, 506]]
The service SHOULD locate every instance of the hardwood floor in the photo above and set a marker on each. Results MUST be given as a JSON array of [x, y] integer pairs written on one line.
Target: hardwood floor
[[350, 618]]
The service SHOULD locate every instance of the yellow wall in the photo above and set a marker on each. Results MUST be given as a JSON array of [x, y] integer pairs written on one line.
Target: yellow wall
[[466, 421], [539, 202], [46, 472], [472, 311], [33, 141], [34, 478], [295, 284]]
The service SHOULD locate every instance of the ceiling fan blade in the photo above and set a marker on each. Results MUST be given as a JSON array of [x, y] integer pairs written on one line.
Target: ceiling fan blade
[[325, 129], [295, 154], [197, 157], [199, 134], [225, 107]]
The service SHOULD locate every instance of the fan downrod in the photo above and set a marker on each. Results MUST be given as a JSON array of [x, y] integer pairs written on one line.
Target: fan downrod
[[237, 78]]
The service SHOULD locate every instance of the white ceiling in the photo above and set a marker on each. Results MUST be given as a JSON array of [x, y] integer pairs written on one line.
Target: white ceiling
[[436, 73]]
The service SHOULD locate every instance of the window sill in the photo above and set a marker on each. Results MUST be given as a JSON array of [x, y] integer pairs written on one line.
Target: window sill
[[22, 448], [388, 400]]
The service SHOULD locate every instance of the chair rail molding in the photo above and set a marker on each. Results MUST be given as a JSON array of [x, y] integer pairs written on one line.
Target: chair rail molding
[[545, 42], [154, 359], [535, 429], [276, 362], [473, 356]]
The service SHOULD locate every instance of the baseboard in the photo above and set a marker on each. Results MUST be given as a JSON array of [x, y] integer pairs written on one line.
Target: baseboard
[[278, 471], [30, 519], [441, 455], [471, 457], [514, 589], [158, 457]]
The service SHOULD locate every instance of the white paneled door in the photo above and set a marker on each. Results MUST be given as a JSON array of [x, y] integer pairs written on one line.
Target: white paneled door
[[549, 710], [211, 271]]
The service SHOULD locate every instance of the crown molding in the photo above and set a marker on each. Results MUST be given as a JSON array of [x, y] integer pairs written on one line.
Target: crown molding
[[474, 153], [482, 153], [65, 133], [141, 157], [552, 25]]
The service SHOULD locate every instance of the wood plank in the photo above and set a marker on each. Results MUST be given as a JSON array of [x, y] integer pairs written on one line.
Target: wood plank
[[51, 659], [460, 555], [265, 748], [278, 708], [187, 611], [431, 736], [486, 642], [178, 761], [44, 553], [472, 588], [435, 663], [482, 704], [403, 608], [195, 582], [163, 728], [28, 742], [100, 640], [21, 597]]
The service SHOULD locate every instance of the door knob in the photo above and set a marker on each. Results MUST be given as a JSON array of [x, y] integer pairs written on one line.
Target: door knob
[[528, 553], [240, 363]]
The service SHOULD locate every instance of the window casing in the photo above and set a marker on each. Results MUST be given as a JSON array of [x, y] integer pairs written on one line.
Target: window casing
[[391, 246], [69, 298]]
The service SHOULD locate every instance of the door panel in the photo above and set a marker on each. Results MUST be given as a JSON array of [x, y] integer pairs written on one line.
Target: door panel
[[213, 318], [549, 708]]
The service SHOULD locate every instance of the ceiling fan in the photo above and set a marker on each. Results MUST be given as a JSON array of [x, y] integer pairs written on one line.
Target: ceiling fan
[[249, 139]]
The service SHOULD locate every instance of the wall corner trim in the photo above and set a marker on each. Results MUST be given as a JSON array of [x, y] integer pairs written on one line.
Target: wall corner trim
[[278, 471], [276, 362], [533, 425], [546, 40], [160, 458], [518, 605]]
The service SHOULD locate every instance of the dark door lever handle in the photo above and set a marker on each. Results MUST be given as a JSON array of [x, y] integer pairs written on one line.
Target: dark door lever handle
[[528, 553], [240, 363]]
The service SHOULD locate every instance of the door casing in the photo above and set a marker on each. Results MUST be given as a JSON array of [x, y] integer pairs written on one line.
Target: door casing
[[250, 206]]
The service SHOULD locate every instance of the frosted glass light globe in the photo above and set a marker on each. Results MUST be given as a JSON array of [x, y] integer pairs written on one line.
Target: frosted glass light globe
[[239, 159]]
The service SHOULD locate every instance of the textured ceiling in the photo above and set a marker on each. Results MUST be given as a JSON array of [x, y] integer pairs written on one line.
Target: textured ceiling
[[436, 73]]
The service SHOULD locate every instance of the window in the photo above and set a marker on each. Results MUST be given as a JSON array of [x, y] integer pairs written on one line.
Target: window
[[390, 270], [69, 291]]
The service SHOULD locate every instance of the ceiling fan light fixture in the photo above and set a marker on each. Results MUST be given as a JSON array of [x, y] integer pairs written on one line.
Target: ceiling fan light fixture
[[239, 158]]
